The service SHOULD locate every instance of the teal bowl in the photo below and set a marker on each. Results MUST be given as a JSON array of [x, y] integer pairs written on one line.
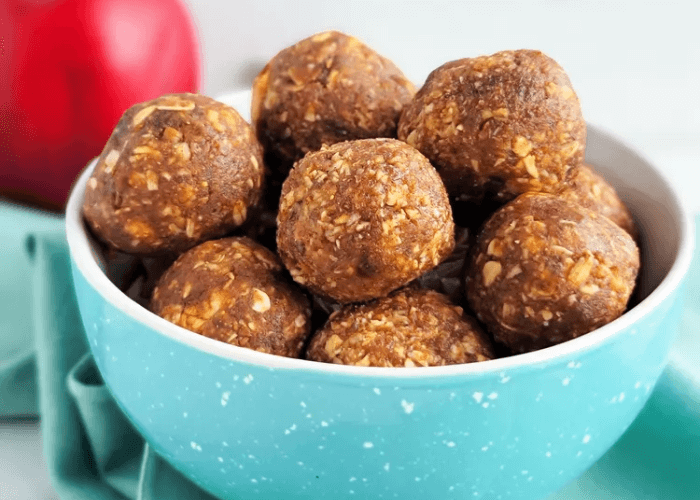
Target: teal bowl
[[243, 424]]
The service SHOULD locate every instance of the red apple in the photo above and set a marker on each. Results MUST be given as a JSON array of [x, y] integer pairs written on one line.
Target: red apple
[[73, 67]]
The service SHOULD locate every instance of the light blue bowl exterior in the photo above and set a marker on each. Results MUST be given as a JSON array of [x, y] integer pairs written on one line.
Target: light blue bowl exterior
[[245, 431]]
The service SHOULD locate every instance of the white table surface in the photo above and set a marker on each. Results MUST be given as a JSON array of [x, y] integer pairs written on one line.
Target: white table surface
[[634, 64]]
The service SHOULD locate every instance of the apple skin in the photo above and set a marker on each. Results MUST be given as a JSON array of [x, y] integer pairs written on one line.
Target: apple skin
[[74, 66]]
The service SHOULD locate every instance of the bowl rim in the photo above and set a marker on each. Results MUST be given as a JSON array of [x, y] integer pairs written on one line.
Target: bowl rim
[[84, 262]]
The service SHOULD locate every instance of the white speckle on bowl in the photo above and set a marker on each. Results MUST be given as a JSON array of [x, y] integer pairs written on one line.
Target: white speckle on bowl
[[300, 464], [574, 364], [172, 353], [621, 397], [224, 398], [324, 423], [548, 454], [586, 439], [407, 407], [224, 444], [524, 473], [387, 466], [637, 384], [368, 444], [538, 398], [416, 478], [451, 488], [253, 480], [353, 479], [248, 379], [502, 467], [504, 378], [486, 404], [220, 459], [529, 478], [309, 415], [235, 378], [450, 444], [579, 454], [484, 448], [218, 385], [195, 446], [565, 381], [107, 348], [493, 395], [184, 415], [478, 396], [377, 391], [302, 404]]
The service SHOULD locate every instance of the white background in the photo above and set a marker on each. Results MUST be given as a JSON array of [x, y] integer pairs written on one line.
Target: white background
[[635, 66]]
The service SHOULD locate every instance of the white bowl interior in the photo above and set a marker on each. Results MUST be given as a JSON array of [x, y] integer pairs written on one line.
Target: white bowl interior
[[666, 243]]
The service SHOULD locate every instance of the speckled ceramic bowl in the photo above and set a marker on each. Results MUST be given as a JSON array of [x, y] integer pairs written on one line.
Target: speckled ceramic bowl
[[243, 424]]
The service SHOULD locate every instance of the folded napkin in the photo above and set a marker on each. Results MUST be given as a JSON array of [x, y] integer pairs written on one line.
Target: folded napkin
[[92, 451], [17, 387]]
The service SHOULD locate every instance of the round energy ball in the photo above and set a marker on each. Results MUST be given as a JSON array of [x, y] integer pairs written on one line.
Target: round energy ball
[[359, 219], [411, 327], [590, 190], [545, 271], [325, 89], [235, 291], [177, 170], [497, 126]]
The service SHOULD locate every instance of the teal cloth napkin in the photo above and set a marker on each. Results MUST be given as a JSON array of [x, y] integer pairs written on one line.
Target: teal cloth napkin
[[17, 369], [92, 452]]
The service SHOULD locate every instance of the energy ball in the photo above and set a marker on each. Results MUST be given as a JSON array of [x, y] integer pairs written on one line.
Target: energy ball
[[545, 271], [235, 291], [359, 219], [325, 89], [590, 190], [497, 126], [177, 170], [411, 327]]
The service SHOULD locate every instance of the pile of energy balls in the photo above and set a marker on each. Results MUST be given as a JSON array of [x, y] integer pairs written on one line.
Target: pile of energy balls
[[359, 221]]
